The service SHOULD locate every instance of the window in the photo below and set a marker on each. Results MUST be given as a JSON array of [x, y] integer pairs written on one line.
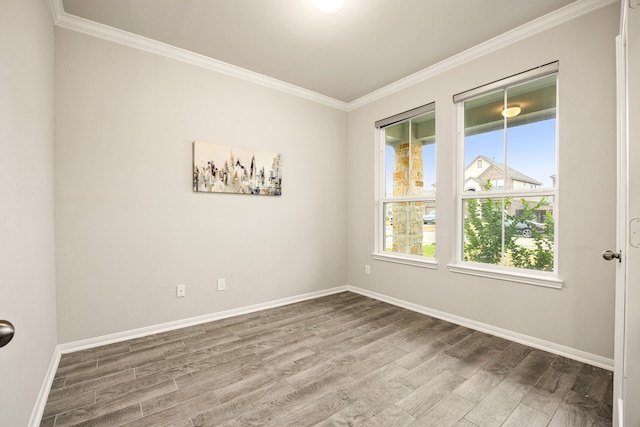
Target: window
[[406, 219], [507, 194]]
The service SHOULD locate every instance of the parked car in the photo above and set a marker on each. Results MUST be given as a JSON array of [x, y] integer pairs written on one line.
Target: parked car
[[525, 228], [429, 218]]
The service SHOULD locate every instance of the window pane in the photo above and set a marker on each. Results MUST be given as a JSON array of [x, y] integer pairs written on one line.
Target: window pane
[[519, 123], [532, 224], [531, 134], [484, 143], [483, 231], [410, 228], [429, 230], [410, 157], [424, 140], [513, 233]]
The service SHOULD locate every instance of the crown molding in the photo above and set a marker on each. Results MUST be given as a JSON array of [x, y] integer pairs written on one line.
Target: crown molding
[[553, 19], [550, 20], [92, 28]]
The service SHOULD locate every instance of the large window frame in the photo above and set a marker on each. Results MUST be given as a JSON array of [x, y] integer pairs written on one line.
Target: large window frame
[[466, 196], [385, 200]]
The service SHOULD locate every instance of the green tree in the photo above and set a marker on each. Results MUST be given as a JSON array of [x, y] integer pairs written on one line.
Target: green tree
[[491, 234], [540, 258]]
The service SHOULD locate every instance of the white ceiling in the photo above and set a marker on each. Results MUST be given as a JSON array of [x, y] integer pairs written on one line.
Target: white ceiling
[[366, 46]]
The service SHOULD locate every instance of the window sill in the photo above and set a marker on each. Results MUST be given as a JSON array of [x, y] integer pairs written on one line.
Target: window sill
[[539, 279], [415, 261]]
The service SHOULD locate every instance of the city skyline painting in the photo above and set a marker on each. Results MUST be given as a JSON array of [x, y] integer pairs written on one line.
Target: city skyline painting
[[221, 168]]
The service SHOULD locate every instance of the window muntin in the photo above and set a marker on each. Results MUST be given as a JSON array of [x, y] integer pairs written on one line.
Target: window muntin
[[407, 199], [508, 186]]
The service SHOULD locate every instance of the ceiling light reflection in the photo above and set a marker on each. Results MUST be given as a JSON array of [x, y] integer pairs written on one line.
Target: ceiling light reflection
[[510, 112], [329, 6]]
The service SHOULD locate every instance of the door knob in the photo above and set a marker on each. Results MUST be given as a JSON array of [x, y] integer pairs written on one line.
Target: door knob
[[609, 255], [6, 332]]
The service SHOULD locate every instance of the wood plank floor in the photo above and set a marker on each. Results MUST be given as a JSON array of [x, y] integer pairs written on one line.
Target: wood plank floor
[[340, 360]]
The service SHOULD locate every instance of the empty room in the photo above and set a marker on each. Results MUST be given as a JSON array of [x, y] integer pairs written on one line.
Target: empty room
[[288, 213]]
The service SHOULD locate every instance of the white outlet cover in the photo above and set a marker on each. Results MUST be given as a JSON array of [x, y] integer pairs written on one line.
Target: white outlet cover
[[180, 291]]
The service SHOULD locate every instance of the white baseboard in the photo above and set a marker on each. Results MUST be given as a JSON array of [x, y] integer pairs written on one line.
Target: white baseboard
[[571, 353], [41, 401], [71, 347]]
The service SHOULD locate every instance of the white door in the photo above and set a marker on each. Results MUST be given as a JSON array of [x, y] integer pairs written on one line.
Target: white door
[[627, 347]]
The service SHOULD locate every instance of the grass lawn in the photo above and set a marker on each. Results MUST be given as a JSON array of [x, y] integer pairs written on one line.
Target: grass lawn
[[429, 250]]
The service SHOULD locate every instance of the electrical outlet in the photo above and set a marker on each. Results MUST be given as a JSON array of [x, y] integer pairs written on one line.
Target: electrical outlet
[[367, 269], [222, 284], [181, 291]]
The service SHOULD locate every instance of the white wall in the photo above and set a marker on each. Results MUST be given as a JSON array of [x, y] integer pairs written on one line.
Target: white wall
[[580, 316], [27, 275], [128, 226]]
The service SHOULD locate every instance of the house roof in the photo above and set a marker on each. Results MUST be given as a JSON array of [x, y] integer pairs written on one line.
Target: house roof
[[476, 180], [511, 172]]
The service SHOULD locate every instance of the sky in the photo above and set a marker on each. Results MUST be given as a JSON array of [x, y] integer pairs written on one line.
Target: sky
[[531, 150]]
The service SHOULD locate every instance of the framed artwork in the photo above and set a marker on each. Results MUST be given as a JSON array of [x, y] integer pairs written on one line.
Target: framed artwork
[[225, 169]]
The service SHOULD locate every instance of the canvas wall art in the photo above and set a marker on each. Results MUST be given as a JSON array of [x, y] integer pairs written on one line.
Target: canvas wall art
[[225, 169]]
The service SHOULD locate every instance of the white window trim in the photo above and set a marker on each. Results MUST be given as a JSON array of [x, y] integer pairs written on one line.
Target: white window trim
[[406, 259], [380, 199], [511, 274], [529, 277]]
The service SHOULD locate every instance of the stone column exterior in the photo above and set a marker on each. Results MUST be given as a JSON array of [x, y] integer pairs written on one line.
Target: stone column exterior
[[408, 181]]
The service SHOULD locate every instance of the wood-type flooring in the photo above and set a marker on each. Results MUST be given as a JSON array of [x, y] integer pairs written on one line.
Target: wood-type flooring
[[339, 360]]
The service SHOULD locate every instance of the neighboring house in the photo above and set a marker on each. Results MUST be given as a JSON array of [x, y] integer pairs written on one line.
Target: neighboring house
[[483, 169]]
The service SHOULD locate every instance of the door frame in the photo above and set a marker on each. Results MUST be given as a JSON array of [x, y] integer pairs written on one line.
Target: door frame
[[619, 368]]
